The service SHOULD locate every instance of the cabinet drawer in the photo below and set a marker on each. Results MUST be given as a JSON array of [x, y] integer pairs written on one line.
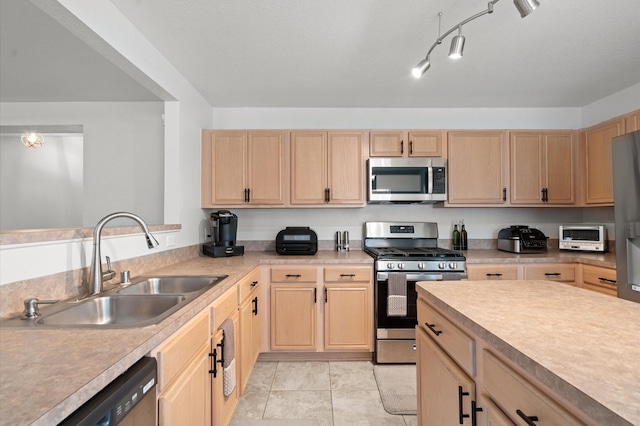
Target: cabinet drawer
[[456, 343], [289, 274], [492, 272], [552, 272], [223, 307], [179, 349], [599, 279], [339, 274], [513, 393], [247, 284]]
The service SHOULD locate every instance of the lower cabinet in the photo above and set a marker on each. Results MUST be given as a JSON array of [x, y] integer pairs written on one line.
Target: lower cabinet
[[321, 309], [602, 280], [461, 380], [493, 272], [562, 272], [250, 314], [222, 406], [445, 392]]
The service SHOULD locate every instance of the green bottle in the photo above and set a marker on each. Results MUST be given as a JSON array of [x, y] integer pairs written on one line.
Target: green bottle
[[456, 237], [463, 239]]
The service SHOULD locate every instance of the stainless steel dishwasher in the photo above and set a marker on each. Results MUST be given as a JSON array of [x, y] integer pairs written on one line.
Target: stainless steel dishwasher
[[129, 400]]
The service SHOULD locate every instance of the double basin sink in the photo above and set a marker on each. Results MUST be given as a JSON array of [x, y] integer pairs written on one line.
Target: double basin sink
[[146, 301]]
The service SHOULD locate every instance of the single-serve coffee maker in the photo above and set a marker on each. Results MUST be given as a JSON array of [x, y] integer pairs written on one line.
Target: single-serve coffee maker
[[224, 228]]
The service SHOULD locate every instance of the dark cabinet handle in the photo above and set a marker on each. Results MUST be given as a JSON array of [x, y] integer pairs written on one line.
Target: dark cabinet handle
[[432, 327], [607, 280], [254, 311], [254, 283], [351, 275], [315, 295], [326, 296], [214, 355], [552, 274], [410, 147], [293, 275], [461, 415], [504, 194], [327, 195], [248, 195], [494, 275], [528, 419], [474, 410], [402, 147], [245, 196]]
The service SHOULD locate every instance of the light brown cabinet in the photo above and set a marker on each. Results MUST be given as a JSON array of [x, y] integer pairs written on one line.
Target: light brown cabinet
[[493, 272], [321, 309], [543, 167], [400, 143], [602, 280], [478, 166], [632, 121], [243, 168], [223, 406], [250, 314], [561, 272], [327, 168], [597, 167]]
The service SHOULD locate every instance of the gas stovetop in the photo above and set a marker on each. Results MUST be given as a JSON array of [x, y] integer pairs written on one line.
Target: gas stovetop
[[413, 252]]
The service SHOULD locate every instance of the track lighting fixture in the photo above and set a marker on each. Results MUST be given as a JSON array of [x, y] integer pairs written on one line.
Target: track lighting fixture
[[525, 7]]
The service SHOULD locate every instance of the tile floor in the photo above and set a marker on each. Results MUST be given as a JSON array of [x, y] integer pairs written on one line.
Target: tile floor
[[314, 394]]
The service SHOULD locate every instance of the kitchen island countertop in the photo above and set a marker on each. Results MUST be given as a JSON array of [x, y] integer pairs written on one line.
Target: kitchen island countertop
[[583, 345], [45, 374]]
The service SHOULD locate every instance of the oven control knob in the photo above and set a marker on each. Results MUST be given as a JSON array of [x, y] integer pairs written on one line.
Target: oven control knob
[[400, 265], [420, 265], [452, 265], [442, 265], [390, 265]]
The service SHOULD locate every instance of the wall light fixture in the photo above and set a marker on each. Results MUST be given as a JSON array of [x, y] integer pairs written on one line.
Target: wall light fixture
[[32, 140]]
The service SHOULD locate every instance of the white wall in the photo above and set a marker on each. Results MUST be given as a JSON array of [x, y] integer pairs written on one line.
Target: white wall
[[123, 153], [619, 103]]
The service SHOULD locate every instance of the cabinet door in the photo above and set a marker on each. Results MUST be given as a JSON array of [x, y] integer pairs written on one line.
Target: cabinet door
[[632, 122], [440, 384], [265, 167], [386, 144], [425, 144], [346, 167], [559, 167], [223, 406], [308, 167], [249, 337], [188, 399], [563, 272], [477, 171], [348, 317], [598, 163], [293, 317], [223, 168], [602, 280], [527, 180]]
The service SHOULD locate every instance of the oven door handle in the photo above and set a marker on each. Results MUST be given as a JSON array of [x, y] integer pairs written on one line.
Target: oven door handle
[[384, 276]]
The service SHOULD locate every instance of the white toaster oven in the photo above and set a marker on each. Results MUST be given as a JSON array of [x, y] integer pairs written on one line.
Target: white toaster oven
[[583, 238]]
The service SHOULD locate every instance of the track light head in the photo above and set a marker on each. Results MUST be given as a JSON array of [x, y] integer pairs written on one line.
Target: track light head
[[525, 7], [457, 46], [421, 68]]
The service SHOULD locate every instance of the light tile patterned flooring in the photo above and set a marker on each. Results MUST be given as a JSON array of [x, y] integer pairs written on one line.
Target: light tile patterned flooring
[[316, 393]]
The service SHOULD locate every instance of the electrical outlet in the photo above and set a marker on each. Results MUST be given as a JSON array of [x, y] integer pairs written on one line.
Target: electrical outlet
[[171, 240], [207, 236]]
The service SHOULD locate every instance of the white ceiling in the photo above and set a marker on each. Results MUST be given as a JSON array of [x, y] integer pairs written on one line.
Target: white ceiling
[[359, 53]]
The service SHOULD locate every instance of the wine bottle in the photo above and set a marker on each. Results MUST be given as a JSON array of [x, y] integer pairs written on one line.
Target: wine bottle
[[456, 237], [463, 239]]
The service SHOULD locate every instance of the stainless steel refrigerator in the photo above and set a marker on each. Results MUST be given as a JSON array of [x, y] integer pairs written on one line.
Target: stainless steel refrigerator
[[626, 192]]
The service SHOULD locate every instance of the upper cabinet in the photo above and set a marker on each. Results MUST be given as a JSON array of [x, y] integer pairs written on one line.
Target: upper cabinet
[[597, 179], [398, 143], [328, 168], [478, 167], [632, 122], [243, 168], [543, 167]]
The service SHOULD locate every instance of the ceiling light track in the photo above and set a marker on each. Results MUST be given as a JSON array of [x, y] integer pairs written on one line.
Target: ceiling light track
[[525, 7]]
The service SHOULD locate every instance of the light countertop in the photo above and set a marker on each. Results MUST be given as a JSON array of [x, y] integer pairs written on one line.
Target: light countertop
[[46, 374], [583, 345]]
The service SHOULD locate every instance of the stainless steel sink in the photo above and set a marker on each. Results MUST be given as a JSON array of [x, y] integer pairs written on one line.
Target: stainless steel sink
[[115, 310], [172, 285], [145, 302]]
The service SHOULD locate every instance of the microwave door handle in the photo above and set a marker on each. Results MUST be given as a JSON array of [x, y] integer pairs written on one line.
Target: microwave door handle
[[429, 180]]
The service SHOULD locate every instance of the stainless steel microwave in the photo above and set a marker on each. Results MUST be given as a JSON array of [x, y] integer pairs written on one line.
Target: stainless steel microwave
[[583, 238], [407, 180]]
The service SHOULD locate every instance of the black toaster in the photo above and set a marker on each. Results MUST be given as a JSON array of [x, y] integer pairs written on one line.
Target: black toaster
[[297, 240]]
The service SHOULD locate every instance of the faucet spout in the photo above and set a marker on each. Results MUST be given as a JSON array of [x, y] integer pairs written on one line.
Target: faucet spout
[[96, 276]]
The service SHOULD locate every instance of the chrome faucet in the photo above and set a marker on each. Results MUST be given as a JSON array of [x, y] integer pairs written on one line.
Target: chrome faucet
[[97, 277]]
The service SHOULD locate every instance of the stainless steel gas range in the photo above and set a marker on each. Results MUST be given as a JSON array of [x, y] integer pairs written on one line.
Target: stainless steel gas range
[[404, 253]]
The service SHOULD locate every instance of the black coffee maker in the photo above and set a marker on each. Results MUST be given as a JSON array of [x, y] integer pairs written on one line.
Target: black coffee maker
[[224, 228]]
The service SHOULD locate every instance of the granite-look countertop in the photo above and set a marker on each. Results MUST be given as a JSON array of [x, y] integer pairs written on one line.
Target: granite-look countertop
[[46, 374], [582, 344], [494, 256]]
